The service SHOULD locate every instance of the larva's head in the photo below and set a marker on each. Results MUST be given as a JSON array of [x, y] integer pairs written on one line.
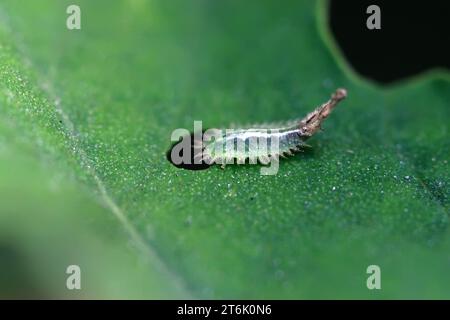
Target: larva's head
[[311, 123]]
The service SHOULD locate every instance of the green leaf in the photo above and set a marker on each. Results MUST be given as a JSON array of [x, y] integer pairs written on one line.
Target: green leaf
[[86, 119]]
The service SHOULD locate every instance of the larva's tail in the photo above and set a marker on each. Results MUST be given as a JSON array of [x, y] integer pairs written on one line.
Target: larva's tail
[[311, 123]]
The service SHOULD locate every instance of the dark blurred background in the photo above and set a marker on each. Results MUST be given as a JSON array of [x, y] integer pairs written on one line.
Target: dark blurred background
[[413, 38]]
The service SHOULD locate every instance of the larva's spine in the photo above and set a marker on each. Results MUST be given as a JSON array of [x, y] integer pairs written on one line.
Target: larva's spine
[[236, 144]]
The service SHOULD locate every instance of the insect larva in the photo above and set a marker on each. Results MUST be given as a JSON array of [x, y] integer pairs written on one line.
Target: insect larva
[[239, 144]]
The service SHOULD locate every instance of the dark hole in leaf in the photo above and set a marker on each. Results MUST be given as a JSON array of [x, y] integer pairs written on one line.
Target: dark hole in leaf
[[194, 151], [411, 39]]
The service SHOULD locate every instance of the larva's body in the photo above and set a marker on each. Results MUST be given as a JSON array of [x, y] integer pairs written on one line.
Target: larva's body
[[225, 146], [253, 144]]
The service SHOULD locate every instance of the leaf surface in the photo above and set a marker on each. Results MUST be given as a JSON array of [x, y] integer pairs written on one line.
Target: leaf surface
[[97, 107]]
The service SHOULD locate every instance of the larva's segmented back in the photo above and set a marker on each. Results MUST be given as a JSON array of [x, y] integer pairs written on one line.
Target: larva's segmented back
[[266, 125]]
